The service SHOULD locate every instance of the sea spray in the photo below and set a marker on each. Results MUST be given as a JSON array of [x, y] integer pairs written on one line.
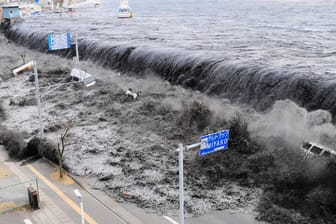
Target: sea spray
[[294, 124]]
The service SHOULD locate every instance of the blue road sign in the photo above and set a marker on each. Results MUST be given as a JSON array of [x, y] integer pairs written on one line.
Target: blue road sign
[[214, 142], [59, 41]]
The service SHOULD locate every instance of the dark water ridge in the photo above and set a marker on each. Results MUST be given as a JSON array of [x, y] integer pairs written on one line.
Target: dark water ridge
[[244, 83]]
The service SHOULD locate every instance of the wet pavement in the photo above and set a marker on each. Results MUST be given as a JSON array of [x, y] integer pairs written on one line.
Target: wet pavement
[[58, 203]]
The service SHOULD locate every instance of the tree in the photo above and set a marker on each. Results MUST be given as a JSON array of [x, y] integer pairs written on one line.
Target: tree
[[60, 149]]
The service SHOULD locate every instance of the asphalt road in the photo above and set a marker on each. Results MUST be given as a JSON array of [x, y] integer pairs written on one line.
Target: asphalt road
[[57, 198]]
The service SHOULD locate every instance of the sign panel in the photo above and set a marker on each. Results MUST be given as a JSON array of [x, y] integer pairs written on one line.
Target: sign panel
[[59, 41], [214, 142]]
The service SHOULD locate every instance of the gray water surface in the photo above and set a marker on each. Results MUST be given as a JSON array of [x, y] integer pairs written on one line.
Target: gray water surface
[[294, 36]]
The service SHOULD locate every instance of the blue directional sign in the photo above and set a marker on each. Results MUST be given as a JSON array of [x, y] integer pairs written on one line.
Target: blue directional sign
[[59, 41], [214, 142]]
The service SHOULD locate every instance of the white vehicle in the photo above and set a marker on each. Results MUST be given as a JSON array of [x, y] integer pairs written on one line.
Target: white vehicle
[[312, 149], [83, 76], [124, 11]]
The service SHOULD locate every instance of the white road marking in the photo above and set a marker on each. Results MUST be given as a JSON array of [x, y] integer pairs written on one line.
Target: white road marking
[[170, 219]]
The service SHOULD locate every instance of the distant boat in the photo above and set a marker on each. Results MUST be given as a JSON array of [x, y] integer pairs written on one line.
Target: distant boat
[[124, 11]]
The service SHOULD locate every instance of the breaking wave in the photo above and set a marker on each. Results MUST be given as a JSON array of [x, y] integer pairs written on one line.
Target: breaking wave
[[245, 83]]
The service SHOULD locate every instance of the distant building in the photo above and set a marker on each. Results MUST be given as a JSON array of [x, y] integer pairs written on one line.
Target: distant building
[[10, 13]]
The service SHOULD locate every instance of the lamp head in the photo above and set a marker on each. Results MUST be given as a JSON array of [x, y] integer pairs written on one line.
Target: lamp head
[[26, 67], [77, 193]]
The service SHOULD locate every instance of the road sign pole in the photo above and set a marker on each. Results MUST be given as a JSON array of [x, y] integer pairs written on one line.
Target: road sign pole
[[193, 145], [52, 6], [38, 101], [209, 144], [181, 188], [77, 55], [181, 196]]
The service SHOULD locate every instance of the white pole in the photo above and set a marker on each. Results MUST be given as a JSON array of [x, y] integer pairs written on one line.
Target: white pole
[[181, 189], [52, 6], [77, 55], [82, 210], [181, 196], [79, 195], [193, 145], [37, 95]]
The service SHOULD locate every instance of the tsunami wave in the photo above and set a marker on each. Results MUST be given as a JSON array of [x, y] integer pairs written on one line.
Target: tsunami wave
[[250, 84]]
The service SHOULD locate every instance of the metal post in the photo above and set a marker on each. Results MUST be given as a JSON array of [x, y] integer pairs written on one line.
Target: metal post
[[38, 190], [181, 196], [77, 55], [37, 95], [52, 6], [82, 210], [181, 189], [79, 195]]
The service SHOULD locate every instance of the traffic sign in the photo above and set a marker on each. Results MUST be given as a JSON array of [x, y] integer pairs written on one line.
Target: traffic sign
[[59, 41], [214, 142]]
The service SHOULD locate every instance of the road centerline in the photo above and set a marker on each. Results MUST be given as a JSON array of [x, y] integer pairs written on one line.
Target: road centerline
[[65, 198]]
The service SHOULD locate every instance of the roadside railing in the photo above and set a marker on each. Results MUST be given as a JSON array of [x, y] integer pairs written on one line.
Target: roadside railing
[[19, 195]]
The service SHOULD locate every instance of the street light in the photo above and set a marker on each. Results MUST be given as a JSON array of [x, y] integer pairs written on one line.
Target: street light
[[28, 67], [85, 77], [79, 195]]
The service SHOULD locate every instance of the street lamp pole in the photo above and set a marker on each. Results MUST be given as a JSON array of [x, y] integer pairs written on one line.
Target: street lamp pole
[[82, 210], [28, 67], [76, 46], [79, 195], [38, 100]]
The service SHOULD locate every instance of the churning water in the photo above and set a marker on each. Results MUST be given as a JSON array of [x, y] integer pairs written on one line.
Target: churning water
[[253, 51]]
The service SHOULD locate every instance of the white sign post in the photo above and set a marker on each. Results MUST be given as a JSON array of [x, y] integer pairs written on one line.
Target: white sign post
[[63, 41], [209, 144], [76, 45]]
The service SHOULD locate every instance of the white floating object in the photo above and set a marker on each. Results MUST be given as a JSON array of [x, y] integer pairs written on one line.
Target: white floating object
[[312, 149], [83, 76], [130, 92]]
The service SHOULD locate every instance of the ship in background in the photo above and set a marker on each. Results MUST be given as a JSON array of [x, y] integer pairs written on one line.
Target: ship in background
[[124, 11]]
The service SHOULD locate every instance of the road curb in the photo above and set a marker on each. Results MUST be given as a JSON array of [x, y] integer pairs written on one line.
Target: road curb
[[104, 199]]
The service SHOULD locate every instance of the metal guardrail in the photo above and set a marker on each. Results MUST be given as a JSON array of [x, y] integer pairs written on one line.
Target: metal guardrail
[[15, 196]]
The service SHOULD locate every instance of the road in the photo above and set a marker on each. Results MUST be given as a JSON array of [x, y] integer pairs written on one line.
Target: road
[[60, 205]]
